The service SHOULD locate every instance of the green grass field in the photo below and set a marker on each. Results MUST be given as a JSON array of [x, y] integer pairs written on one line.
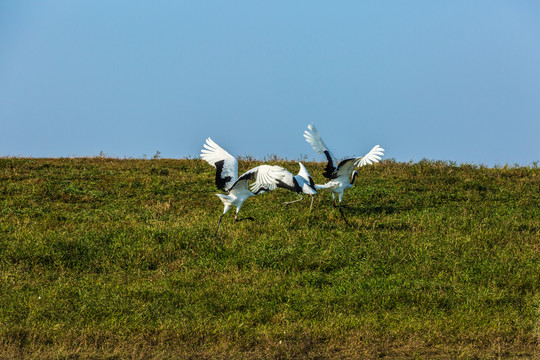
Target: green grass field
[[110, 259]]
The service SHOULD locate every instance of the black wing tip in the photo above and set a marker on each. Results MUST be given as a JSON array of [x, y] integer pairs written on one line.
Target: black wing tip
[[330, 168], [311, 183], [336, 170], [221, 181], [250, 175], [294, 187]]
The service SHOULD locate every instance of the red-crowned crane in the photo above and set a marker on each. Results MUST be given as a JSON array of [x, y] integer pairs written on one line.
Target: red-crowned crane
[[342, 176], [265, 178], [302, 183]]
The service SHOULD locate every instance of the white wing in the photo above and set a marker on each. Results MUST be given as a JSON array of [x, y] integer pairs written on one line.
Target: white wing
[[346, 167], [267, 177], [226, 165], [315, 140], [308, 186], [372, 157], [303, 172]]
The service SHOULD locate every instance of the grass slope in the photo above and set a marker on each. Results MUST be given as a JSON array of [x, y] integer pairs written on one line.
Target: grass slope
[[107, 258]]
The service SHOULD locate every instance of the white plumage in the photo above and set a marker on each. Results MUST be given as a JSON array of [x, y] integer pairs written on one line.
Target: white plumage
[[214, 154], [341, 175], [302, 183], [264, 177]]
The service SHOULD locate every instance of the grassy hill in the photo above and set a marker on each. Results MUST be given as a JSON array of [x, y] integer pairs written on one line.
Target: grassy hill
[[105, 258]]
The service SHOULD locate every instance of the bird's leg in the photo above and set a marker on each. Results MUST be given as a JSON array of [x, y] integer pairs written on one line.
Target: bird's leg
[[340, 204], [343, 215], [219, 222], [310, 206], [290, 202]]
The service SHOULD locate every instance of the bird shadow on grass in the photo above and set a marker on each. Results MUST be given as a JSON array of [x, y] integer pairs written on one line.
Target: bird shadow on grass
[[375, 210]]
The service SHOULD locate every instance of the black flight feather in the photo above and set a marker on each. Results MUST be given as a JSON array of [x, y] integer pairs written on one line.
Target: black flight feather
[[295, 187], [329, 171], [221, 181]]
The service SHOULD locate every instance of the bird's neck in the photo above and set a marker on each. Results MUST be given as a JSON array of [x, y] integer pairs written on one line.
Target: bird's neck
[[353, 178]]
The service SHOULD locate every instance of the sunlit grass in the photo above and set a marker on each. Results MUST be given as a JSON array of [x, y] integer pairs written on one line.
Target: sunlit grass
[[108, 258]]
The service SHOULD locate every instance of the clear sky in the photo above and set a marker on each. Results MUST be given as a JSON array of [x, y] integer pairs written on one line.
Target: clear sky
[[442, 80]]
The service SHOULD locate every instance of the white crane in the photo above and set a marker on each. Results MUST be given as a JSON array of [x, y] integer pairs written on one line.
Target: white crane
[[302, 183], [342, 176], [265, 178]]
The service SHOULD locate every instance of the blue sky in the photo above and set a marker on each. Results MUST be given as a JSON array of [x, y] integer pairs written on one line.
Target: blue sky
[[454, 80]]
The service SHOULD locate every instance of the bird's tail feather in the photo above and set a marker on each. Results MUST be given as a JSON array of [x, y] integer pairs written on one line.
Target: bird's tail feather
[[226, 199]]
